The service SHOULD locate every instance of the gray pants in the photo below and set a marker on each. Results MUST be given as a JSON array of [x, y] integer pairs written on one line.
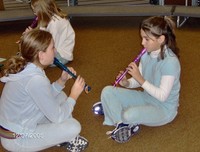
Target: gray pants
[[46, 135]]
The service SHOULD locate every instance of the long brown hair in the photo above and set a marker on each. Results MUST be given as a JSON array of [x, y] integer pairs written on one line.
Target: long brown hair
[[31, 44], [158, 26]]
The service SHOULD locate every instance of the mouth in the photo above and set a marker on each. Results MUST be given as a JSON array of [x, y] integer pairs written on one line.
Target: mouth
[[146, 49]]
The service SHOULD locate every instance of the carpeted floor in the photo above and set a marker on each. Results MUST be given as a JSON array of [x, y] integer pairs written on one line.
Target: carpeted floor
[[103, 47]]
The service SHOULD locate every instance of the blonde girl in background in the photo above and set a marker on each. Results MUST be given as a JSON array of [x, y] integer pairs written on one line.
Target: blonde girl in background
[[51, 18]]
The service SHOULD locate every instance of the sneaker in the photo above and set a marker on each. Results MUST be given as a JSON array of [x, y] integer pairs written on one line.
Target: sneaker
[[77, 145], [123, 132], [98, 109]]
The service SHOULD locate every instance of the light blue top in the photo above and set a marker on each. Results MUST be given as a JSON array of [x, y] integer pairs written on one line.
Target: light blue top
[[154, 68], [28, 97]]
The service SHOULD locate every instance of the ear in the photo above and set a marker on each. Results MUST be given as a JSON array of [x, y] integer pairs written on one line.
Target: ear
[[161, 39], [41, 56]]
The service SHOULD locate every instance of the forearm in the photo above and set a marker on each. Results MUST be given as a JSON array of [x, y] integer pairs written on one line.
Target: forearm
[[132, 83], [61, 82], [47, 100], [162, 92]]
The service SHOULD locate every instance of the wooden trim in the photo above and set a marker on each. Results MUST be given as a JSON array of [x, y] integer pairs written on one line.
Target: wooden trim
[[86, 11], [1, 5]]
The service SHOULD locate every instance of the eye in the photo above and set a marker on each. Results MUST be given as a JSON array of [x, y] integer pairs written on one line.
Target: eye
[[147, 39]]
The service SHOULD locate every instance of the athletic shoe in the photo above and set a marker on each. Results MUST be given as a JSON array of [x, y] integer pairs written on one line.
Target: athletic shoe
[[123, 132], [98, 109], [77, 145]]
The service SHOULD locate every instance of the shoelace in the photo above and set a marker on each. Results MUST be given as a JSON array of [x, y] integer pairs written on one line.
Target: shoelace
[[79, 143], [133, 129]]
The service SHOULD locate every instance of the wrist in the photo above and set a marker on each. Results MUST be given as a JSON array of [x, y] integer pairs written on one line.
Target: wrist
[[73, 96], [141, 81], [61, 81], [125, 83]]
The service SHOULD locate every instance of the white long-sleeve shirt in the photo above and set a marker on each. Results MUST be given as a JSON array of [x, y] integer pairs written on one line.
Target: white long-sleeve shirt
[[28, 97], [63, 36]]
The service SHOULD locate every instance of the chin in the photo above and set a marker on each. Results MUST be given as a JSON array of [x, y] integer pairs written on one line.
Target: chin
[[45, 66], [149, 51]]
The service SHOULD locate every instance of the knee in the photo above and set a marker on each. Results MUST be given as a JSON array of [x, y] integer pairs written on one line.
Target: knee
[[130, 115], [76, 127], [73, 126], [106, 91]]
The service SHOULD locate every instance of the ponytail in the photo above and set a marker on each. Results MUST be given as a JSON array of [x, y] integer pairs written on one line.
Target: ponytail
[[14, 65]]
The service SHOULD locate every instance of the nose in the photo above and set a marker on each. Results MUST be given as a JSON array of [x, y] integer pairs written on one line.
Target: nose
[[143, 42]]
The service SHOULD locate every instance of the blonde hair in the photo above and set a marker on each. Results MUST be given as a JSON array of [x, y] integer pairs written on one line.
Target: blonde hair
[[158, 26], [31, 44], [44, 10]]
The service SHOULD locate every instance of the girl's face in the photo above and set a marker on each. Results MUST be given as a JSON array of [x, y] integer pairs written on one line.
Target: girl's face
[[150, 42], [47, 57]]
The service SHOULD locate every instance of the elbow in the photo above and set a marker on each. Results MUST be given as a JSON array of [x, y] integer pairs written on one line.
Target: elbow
[[163, 97], [55, 120], [162, 100]]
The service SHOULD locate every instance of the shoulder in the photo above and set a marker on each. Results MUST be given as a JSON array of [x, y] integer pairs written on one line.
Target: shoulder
[[171, 64], [35, 74], [37, 82], [171, 58], [58, 23], [59, 20]]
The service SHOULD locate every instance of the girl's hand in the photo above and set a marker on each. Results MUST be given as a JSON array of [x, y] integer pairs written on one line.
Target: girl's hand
[[124, 82], [27, 30], [77, 88], [65, 76], [133, 70]]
